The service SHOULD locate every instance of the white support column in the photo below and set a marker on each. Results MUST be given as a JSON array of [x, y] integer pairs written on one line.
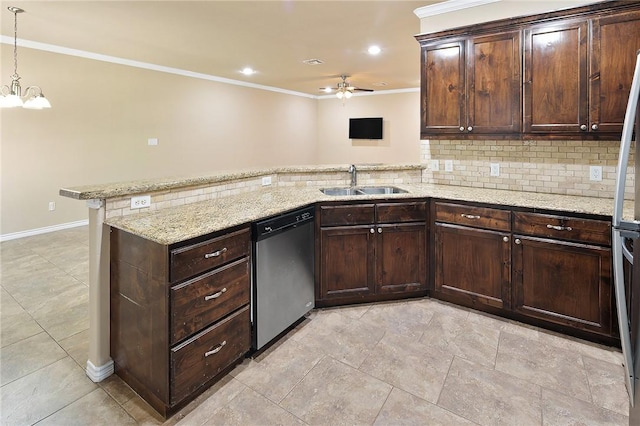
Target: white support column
[[99, 364]]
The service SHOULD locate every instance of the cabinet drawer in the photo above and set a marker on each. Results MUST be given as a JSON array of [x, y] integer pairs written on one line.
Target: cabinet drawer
[[401, 212], [562, 227], [202, 357], [479, 217], [202, 301], [191, 260], [352, 214]]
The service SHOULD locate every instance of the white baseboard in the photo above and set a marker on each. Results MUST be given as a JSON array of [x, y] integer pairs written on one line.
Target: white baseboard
[[98, 374], [46, 229]]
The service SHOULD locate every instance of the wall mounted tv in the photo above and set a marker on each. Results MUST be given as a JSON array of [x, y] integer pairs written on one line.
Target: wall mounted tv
[[365, 128]]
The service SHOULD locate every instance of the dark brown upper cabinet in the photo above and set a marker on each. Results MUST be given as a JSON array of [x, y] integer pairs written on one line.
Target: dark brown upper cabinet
[[472, 85], [555, 78], [559, 75], [614, 41]]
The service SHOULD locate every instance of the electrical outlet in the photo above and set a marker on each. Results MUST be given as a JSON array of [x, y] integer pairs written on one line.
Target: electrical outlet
[[435, 165], [140, 202], [52, 206], [494, 169], [595, 173], [266, 180], [152, 141], [448, 165]]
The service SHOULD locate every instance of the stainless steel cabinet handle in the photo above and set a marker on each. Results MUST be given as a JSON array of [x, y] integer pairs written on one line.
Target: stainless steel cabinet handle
[[470, 128], [594, 127], [505, 239], [470, 216], [583, 127], [215, 253], [560, 228], [215, 295], [462, 128], [517, 241], [379, 230], [216, 349], [372, 231]]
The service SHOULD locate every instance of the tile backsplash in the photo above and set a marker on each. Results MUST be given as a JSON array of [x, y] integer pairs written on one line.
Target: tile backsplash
[[558, 167]]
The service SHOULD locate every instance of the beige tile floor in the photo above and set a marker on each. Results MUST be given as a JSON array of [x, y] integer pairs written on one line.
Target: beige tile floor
[[413, 362]]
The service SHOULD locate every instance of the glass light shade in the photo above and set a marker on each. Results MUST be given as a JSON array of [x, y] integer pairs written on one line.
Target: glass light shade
[[10, 101], [348, 94], [340, 95], [37, 102]]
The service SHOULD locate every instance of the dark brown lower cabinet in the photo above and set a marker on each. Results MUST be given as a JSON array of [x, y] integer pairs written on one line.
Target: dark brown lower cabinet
[[551, 270], [473, 265], [346, 262], [179, 313], [563, 282], [369, 252]]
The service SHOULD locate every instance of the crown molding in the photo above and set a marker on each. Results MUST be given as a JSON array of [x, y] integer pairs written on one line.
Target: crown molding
[[144, 65], [449, 6]]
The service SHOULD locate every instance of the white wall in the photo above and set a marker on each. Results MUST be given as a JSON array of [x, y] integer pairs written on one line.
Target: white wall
[[102, 116], [401, 128]]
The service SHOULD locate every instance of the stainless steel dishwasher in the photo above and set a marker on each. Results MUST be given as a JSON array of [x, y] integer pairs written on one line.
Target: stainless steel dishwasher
[[282, 276]]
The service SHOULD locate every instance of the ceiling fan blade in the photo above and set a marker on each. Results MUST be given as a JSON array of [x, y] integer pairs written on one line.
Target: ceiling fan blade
[[362, 90]]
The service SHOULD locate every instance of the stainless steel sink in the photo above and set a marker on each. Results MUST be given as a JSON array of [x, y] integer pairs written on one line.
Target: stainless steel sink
[[340, 191], [368, 190], [371, 190]]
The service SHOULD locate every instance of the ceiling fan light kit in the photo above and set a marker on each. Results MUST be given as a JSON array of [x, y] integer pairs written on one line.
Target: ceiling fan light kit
[[345, 89], [11, 96]]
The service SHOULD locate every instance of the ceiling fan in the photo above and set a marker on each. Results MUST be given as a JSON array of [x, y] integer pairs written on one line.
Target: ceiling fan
[[345, 89]]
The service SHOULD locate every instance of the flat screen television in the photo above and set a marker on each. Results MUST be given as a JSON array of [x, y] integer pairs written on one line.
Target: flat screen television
[[365, 128]]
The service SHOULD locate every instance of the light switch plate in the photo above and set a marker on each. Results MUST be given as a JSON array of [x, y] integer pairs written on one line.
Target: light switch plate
[[448, 165], [152, 141], [435, 165], [494, 169], [266, 180]]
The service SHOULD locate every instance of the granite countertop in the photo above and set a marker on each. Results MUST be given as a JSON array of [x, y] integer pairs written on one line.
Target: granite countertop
[[121, 189], [180, 223]]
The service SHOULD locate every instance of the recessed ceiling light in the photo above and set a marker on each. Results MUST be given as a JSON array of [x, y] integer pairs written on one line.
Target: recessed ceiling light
[[313, 61], [374, 50], [327, 90], [248, 71]]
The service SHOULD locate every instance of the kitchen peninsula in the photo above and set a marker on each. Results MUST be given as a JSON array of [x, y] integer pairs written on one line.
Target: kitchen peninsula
[[190, 209]]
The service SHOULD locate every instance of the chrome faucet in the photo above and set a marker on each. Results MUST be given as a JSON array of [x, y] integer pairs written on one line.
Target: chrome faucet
[[354, 174]]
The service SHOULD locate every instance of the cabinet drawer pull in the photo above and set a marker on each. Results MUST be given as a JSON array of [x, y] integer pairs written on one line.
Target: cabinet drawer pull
[[215, 253], [505, 239], [373, 231], [216, 349], [379, 230], [470, 216], [560, 228], [215, 295], [517, 241], [583, 127]]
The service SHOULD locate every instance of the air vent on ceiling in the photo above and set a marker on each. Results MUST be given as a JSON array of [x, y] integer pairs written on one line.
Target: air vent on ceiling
[[380, 84], [313, 61]]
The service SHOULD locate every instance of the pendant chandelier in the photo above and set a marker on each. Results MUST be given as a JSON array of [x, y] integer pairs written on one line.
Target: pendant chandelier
[[11, 96]]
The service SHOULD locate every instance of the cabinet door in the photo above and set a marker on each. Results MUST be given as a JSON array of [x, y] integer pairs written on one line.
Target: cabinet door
[[555, 78], [346, 261], [494, 84], [443, 87], [401, 258], [473, 266], [563, 282], [615, 41]]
